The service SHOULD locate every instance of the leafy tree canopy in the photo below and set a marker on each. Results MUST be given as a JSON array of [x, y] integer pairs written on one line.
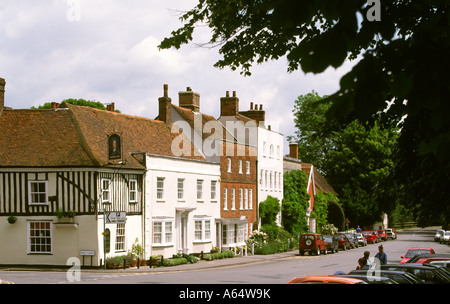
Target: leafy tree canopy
[[77, 102], [401, 70]]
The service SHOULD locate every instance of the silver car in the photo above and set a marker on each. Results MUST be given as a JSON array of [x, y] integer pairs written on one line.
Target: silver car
[[361, 239], [437, 236]]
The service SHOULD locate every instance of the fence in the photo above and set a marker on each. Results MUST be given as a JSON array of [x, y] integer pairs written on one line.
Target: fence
[[404, 225]]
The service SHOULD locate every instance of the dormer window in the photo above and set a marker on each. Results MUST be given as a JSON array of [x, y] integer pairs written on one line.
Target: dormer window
[[114, 146]]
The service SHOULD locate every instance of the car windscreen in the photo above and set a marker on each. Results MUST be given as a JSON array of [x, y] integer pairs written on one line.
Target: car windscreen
[[412, 253]]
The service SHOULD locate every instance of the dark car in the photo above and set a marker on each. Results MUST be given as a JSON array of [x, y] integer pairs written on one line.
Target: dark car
[[369, 279], [353, 239], [332, 243], [401, 277], [425, 256], [429, 274], [344, 243]]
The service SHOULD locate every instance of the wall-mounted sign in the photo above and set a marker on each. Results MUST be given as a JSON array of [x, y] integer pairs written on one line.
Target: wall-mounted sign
[[87, 252], [116, 217]]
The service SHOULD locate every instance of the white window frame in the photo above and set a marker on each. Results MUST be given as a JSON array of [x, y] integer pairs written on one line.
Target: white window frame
[[133, 192], [229, 165], [106, 191], [250, 198], [200, 190], [233, 199], [202, 228], [31, 193], [240, 166], [180, 189], [160, 181], [241, 199], [246, 198], [247, 164], [47, 238], [120, 244], [213, 191], [225, 198], [166, 233]]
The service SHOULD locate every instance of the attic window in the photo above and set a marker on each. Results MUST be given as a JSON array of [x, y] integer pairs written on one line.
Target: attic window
[[114, 146]]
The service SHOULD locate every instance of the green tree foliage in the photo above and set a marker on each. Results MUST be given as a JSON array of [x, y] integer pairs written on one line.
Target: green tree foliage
[[321, 209], [357, 167], [310, 122], [401, 60], [295, 202], [336, 215], [268, 211], [77, 102], [355, 160]]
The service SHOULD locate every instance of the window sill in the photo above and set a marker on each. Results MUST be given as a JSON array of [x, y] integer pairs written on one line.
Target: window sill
[[162, 245]]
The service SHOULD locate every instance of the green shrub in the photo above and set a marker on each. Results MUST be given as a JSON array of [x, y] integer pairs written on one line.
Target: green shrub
[[174, 261]]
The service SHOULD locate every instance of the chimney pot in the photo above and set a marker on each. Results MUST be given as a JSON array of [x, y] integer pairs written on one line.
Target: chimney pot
[[55, 105], [164, 110], [234, 93], [2, 94], [189, 100], [293, 150], [251, 105]]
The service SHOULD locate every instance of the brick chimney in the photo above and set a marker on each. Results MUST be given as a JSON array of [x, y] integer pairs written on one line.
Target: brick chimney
[[256, 113], [111, 107], [229, 106], [2, 94], [165, 106], [293, 150], [55, 105], [189, 100]]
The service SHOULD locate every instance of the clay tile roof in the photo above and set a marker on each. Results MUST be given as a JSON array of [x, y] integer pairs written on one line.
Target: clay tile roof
[[78, 136]]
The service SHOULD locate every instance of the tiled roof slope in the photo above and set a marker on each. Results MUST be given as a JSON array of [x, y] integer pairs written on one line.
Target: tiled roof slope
[[319, 180], [77, 136]]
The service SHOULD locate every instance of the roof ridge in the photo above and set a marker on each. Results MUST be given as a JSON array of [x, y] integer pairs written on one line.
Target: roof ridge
[[84, 145]]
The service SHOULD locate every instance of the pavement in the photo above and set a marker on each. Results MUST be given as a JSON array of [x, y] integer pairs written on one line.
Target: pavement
[[200, 265]]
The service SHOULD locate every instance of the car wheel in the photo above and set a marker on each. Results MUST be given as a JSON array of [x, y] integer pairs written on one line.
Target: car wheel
[[318, 251], [302, 252], [325, 251]]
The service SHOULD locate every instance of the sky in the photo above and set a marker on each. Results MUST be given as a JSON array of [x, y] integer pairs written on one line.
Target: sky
[[106, 50]]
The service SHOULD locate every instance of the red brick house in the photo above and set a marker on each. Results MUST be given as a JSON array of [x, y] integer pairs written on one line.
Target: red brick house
[[237, 164]]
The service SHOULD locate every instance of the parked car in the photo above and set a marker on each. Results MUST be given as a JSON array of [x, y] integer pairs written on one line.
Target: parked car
[[444, 237], [344, 243], [352, 239], [422, 257], [391, 233], [361, 239], [437, 236], [312, 243], [411, 252], [427, 273], [382, 234], [401, 277], [370, 236], [325, 280], [369, 279], [332, 243]]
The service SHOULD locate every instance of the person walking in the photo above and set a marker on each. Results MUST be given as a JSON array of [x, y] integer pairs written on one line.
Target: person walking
[[381, 255]]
